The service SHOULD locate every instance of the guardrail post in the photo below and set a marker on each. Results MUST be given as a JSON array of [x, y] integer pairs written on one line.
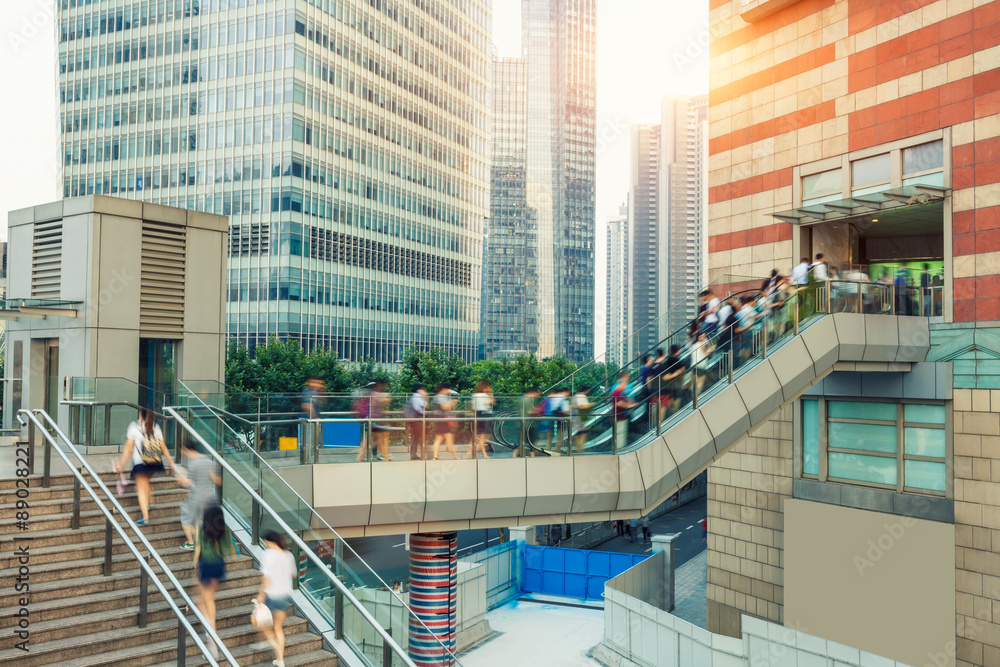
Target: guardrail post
[[31, 447], [338, 612], [143, 595], [74, 422], [181, 643], [694, 388], [46, 464], [88, 427], [729, 354], [75, 522], [107, 547], [255, 522], [387, 650], [107, 425], [315, 433], [303, 428], [256, 444]]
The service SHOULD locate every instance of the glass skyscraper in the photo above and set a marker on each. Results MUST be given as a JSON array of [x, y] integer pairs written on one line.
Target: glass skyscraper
[[346, 139], [543, 224]]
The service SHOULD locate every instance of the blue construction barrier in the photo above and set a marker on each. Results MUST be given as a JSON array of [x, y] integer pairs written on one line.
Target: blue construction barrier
[[576, 573]]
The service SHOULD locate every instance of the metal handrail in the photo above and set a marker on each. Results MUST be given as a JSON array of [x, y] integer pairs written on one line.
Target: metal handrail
[[147, 570], [261, 461], [341, 588]]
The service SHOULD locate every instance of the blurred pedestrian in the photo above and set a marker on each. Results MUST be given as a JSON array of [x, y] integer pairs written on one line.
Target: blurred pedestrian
[[277, 568], [212, 544], [444, 427], [144, 446], [528, 408], [198, 475], [581, 407], [380, 429], [645, 528], [482, 404], [621, 407], [416, 408]]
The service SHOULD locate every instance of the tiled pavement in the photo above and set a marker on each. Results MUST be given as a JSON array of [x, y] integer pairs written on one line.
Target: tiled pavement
[[691, 590]]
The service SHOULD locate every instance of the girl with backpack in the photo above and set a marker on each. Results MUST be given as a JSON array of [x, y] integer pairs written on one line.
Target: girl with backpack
[[145, 447], [211, 546], [482, 403]]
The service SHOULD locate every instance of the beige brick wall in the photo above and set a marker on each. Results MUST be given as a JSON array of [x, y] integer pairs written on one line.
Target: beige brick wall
[[977, 526], [746, 488]]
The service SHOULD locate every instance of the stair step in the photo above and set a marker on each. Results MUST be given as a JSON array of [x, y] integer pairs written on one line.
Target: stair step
[[236, 590], [158, 510], [58, 499], [164, 542]]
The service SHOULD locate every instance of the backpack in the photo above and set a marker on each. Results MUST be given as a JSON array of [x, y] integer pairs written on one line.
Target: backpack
[[150, 451], [362, 407], [541, 409]]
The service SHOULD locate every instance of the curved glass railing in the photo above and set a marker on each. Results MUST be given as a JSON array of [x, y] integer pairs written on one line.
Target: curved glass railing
[[325, 553]]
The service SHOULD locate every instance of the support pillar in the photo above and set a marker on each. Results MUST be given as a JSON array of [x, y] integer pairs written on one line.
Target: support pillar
[[433, 597], [524, 534], [665, 543]]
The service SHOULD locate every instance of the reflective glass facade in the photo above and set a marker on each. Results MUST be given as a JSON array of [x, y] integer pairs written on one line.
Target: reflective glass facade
[[346, 140], [555, 235]]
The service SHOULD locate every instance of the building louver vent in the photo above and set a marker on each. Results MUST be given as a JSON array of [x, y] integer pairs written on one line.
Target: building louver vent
[[46, 260], [161, 300]]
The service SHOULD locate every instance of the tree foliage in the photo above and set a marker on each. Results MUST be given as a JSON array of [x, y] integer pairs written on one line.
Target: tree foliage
[[283, 367]]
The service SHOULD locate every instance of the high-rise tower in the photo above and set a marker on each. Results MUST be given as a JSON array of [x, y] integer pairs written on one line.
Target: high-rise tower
[[346, 140], [550, 311]]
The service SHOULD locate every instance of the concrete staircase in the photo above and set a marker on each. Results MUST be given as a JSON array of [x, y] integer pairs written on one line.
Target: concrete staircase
[[78, 617]]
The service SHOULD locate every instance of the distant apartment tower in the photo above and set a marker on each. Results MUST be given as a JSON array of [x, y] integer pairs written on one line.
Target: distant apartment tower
[[548, 219], [667, 207], [616, 289], [347, 140]]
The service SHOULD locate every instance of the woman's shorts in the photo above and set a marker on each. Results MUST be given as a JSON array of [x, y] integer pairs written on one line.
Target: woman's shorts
[[277, 603], [146, 470], [443, 428], [483, 423], [209, 572]]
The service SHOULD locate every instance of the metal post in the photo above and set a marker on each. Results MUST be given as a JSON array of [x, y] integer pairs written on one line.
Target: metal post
[[46, 464], [303, 427], [338, 612], [860, 299], [31, 448], [475, 431], [181, 643], [74, 422], [107, 425], [75, 523], [892, 299], [314, 432], [829, 297], [659, 394], [143, 595], [729, 353], [88, 427], [694, 388], [387, 650], [256, 444], [798, 304], [107, 547], [255, 522]]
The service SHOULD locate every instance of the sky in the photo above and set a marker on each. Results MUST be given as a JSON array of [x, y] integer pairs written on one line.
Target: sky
[[645, 49]]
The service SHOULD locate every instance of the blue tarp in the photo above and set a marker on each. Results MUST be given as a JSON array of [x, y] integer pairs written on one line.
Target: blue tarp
[[574, 573]]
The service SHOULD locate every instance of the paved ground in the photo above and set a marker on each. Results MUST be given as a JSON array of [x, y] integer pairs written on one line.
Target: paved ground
[[691, 590], [536, 634]]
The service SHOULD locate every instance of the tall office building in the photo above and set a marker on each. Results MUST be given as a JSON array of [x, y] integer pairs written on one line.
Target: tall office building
[[667, 208], [346, 140], [616, 289], [551, 311]]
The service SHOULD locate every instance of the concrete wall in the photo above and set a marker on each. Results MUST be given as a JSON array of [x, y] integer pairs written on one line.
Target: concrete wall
[[637, 634], [878, 581]]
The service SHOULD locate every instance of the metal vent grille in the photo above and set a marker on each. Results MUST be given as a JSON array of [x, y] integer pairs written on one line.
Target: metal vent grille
[[161, 287], [46, 260]]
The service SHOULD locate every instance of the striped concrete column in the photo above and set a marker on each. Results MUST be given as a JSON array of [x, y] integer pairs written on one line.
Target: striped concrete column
[[433, 597]]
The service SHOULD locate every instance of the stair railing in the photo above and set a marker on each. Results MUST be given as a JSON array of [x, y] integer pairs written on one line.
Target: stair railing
[[30, 419], [341, 588]]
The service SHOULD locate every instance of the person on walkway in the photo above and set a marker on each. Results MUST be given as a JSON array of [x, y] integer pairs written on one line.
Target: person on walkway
[[621, 405], [709, 316], [277, 567], [675, 368], [198, 475], [212, 544], [628, 529], [482, 404], [704, 529], [416, 408], [645, 529], [444, 430], [144, 446], [380, 429], [311, 398], [528, 406], [581, 407], [556, 405]]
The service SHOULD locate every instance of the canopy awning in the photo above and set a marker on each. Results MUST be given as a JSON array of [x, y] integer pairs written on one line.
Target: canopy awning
[[840, 209]]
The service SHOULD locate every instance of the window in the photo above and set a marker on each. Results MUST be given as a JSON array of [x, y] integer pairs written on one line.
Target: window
[[900, 446], [871, 174], [924, 164], [822, 187]]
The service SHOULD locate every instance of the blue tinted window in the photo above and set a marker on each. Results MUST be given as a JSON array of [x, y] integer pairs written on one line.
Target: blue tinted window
[[862, 468], [924, 441], [862, 410], [866, 437], [810, 437], [928, 475]]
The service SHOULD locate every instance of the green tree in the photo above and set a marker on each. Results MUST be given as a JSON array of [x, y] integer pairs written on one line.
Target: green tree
[[431, 368]]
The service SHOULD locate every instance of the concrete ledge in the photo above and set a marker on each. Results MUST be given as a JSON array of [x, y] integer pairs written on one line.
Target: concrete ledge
[[876, 500]]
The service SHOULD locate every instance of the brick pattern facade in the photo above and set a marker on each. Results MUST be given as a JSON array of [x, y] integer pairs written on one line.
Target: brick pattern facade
[[825, 77], [977, 526], [746, 488]]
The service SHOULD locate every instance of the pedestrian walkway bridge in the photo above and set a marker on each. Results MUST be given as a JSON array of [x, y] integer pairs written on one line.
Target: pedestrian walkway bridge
[[596, 483]]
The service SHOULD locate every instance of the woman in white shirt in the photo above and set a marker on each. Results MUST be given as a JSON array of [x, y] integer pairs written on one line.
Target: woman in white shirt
[[277, 565], [482, 403], [144, 446]]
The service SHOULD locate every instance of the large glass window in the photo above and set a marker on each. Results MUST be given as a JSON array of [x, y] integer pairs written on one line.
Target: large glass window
[[871, 174], [876, 443], [822, 187]]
